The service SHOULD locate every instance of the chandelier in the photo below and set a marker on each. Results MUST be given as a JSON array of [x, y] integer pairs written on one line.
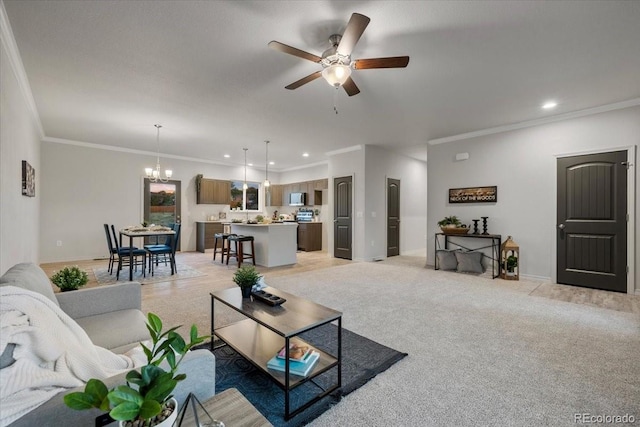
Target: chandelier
[[154, 174], [266, 168]]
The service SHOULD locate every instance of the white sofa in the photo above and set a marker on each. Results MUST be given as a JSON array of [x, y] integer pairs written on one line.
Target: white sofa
[[112, 318]]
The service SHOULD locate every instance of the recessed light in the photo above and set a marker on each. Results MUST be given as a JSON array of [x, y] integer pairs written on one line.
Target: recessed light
[[549, 105], [272, 163], [305, 154], [249, 164], [226, 156]]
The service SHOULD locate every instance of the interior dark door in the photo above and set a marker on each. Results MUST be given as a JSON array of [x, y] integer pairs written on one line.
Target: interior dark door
[[342, 219], [162, 204], [592, 221], [393, 217]]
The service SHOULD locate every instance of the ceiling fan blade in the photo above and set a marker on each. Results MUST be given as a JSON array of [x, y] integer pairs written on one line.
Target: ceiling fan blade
[[352, 33], [350, 87], [392, 62], [304, 80], [293, 51]]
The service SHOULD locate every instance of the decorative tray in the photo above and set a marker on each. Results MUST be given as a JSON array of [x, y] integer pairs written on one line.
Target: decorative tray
[[268, 298], [458, 230]]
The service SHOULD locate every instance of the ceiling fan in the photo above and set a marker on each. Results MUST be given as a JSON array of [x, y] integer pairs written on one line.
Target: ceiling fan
[[336, 61]]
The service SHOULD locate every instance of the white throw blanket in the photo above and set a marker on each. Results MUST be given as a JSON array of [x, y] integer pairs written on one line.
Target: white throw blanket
[[52, 353]]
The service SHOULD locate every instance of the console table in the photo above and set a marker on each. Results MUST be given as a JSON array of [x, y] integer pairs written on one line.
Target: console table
[[496, 242]]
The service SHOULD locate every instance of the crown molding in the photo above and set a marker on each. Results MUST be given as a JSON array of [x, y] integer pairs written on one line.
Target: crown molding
[[530, 123], [344, 150], [130, 150], [15, 60]]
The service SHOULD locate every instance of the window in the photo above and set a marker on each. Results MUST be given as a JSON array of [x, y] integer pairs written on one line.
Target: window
[[245, 200]]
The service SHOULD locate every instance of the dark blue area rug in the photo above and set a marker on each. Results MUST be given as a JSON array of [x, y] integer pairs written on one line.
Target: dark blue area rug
[[362, 359]]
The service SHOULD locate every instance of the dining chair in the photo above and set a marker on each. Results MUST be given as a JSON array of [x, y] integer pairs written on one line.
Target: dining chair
[[166, 250], [123, 256], [113, 252]]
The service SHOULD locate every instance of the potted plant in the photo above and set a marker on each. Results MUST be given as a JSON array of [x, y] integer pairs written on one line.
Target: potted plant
[[246, 277], [70, 278], [512, 263], [145, 399]]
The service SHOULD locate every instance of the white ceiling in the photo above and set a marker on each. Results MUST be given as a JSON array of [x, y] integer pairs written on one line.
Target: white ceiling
[[104, 72]]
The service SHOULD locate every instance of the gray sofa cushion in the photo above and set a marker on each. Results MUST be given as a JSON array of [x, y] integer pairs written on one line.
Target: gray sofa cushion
[[469, 262], [31, 277], [447, 259], [116, 330]]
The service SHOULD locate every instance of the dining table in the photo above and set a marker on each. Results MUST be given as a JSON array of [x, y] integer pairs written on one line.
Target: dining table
[[133, 232]]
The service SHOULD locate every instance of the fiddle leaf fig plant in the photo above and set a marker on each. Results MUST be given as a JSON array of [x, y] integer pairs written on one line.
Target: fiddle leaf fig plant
[[148, 390]]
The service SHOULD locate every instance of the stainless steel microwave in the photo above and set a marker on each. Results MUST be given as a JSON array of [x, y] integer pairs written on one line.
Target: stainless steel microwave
[[297, 199]]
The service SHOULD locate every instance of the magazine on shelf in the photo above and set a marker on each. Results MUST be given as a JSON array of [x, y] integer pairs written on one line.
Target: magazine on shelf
[[297, 351], [296, 368]]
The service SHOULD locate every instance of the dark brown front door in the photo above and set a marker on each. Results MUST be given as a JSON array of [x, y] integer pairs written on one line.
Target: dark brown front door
[[342, 218], [393, 217], [592, 221]]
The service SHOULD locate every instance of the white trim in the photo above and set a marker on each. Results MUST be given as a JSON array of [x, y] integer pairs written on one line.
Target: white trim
[[343, 150], [15, 60], [530, 123], [631, 203]]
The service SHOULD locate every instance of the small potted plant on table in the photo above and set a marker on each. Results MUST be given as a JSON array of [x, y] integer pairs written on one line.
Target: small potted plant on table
[[246, 277]]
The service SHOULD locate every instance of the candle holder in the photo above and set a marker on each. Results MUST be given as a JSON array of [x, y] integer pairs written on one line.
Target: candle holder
[[475, 226], [484, 225]]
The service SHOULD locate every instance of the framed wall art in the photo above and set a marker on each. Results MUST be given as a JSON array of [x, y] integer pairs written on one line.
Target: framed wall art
[[474, 195], [28, 179]]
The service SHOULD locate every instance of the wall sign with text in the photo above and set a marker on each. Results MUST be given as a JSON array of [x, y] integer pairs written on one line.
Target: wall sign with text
[[473, 195]]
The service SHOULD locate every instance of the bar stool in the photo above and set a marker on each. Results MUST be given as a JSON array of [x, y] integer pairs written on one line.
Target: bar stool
[[225, 246], [239, 253]]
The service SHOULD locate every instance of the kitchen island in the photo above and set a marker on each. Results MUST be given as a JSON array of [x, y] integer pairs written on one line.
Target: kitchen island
[[275, 244]]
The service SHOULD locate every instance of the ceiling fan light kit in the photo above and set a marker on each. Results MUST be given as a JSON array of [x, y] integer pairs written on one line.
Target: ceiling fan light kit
[[336, 75], [336, 61]]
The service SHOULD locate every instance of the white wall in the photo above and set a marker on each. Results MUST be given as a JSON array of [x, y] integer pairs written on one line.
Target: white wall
[[381, 164], [84, 187], [304, 174], [522, 164], [19, 140]]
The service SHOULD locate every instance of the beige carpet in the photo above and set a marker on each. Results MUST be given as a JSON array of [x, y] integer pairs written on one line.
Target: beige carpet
[[481, 351]]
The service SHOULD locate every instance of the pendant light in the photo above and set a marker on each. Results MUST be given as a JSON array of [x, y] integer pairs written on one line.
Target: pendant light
[[154, 175], [266, 168], [245, 185]]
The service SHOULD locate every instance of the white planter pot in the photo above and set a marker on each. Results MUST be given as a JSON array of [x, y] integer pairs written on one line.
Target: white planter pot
[[168, 422]]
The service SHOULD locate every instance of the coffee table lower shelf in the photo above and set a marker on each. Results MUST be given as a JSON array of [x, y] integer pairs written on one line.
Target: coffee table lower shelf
[[258, 345]]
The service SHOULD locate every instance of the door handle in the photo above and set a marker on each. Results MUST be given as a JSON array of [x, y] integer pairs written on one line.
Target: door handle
[[335, 220], [561, 226]]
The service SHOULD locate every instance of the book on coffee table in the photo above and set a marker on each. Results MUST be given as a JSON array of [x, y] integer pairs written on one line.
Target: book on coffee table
[[297, 351], [301, 368]]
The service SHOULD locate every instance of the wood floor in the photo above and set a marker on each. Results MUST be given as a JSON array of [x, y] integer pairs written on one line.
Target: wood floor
[[219, 276]]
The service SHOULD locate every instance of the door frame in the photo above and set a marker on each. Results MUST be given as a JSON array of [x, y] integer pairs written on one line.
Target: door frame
[[386, 214], [332, 202], [631, 205]]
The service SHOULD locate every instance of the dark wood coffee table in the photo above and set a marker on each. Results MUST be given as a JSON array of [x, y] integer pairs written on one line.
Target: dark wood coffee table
[[267, 329]]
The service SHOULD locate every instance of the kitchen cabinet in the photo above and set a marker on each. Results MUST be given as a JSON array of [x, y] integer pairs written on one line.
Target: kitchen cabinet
[[204, 234], [310, 236], [214, 192], [275, 195], [321, 184]]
